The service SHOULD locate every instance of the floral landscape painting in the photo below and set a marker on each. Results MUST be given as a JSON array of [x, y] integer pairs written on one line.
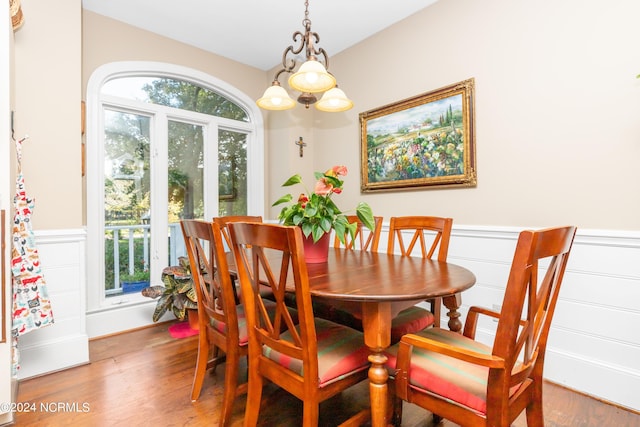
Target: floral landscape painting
[[426, 140]]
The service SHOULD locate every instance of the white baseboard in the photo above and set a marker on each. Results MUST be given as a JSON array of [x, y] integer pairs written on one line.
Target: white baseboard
[[109, 322], [38, 358], [592, 377]]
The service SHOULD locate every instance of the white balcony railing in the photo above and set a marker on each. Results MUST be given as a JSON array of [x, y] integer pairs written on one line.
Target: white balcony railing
[[133, 233]]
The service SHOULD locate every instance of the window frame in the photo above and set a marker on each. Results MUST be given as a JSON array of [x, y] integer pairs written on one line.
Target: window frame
[[97, 102]]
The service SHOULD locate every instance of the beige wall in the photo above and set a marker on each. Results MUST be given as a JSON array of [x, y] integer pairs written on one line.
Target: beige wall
[[47, 108], [557, 109], [557, 106], [106, 40]]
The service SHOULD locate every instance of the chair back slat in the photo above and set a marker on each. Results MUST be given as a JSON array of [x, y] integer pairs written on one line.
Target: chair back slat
[[223, 221], [436, 230], [423, 229]]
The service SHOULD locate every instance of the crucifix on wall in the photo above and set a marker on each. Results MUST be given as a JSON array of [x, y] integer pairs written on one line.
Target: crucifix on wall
[[301, 144]]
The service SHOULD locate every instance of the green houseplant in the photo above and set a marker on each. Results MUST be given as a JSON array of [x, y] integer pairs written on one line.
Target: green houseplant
[[138, 276], [316, 212], [177, 294]]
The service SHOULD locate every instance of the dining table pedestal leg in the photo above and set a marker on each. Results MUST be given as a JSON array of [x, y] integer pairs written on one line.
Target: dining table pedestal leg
[[378, 389], [453, 303], [376, 322]]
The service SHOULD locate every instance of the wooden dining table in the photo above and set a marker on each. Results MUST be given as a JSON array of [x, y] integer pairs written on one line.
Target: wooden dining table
[[377, 286]]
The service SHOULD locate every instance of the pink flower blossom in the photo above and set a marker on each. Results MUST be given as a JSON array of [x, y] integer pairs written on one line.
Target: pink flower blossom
[[322, 188], [339, 170]]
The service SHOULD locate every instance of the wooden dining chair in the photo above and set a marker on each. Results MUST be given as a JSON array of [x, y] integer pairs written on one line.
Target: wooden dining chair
[[313, 361], [474, 384], [221, 321], [363, 239], [429, 233], [223, 221]]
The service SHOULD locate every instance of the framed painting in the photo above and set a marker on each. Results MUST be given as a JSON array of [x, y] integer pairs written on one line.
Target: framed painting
[[424, 141]]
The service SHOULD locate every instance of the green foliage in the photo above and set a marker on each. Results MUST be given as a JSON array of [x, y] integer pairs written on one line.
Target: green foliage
[[178, 293], [188, 96], [186, 142], [316, 213], [127, 146], [127, 180], [137, 276]]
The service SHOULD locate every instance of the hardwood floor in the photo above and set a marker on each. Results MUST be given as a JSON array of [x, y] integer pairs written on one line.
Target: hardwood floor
[[144, 378]]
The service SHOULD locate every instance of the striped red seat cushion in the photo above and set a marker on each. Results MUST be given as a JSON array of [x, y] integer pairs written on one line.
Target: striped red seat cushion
[[341, 351], [408, 321], [453, 379]]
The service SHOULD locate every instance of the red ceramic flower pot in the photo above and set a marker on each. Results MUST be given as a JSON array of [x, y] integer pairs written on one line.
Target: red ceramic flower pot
[[317, 252]]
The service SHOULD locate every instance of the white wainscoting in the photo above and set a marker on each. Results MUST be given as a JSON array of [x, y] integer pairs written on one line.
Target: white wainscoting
[[594, 343], [65, 343]]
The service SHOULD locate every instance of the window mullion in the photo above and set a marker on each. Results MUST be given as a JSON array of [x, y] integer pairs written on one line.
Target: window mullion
[[211, 169], [159, 190]]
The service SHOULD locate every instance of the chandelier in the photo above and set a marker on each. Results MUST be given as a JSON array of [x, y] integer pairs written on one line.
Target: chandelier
[[311, 78]]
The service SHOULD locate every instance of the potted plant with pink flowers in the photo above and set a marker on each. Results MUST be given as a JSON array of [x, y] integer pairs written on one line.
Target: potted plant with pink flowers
[[316, 213]]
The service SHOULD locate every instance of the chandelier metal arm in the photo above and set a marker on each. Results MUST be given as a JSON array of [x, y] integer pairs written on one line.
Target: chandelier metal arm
[[313, 76], [305, 43], [325, 57], [289, 64], [300, 38]]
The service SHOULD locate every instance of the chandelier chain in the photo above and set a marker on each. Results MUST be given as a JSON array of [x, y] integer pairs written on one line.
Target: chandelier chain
[[306, 21]]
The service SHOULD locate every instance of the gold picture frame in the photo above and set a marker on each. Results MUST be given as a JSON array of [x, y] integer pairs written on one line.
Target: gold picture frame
[[427, 141]]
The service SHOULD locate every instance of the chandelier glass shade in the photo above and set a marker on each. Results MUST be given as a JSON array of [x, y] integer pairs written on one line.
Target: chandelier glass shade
[[310, 79], [276, 98], [334, 100]]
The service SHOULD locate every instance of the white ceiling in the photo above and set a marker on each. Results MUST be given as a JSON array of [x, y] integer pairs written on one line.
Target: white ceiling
[[256, 32]]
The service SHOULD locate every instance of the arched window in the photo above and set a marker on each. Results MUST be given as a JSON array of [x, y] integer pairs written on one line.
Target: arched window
[[164, 143]]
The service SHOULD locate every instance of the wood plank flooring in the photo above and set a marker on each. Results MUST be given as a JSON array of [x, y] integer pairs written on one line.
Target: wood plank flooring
[[144, 378]]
